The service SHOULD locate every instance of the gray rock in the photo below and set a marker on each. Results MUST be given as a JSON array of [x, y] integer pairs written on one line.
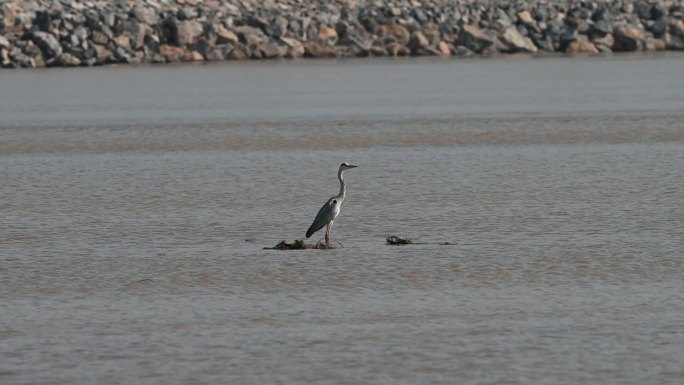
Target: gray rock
[[187, 32], [462, 51], [601, 28], [676, 28], [418, 41], [99, 38], [225, 36], [272, 51], [220, 52], [68, 60], [659, 27], [4, 43], [48, 43], [250, 35], [279, 26], [674, 43], [474, 39], [187, 13], [145, 14], [35, 33]]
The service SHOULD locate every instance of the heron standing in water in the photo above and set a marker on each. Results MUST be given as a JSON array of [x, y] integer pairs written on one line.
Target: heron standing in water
[[327, 214]]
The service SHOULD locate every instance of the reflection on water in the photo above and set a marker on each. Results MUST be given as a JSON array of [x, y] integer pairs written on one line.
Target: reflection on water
[[132, 252]]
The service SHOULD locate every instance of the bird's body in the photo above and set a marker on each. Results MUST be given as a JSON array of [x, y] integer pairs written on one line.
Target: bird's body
[[331, 209]]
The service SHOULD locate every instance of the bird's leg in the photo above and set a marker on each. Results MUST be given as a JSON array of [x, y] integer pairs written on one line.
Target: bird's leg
[[327, 235]]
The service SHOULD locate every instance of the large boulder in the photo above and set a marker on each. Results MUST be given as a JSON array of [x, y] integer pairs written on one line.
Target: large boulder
[[272, 51], [317, 50], [188, 31], [628, 38], [605, 43], [4, 43], [225, 36], [327, 34], [250, 35], [396, 49], [102, 54], [144, 14], [474, 38], [397, 32], [171, 53], [418, 42], [295, 48], [48, 43], [516, 42], [581, 45]]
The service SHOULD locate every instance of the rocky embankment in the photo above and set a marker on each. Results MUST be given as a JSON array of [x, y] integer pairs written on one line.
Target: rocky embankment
[[39, 33]]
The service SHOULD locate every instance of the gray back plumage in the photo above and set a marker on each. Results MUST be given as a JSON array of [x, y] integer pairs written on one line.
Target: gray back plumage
[[324, 216]]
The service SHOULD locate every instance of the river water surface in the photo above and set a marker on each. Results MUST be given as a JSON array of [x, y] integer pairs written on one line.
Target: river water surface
[[136, 203]]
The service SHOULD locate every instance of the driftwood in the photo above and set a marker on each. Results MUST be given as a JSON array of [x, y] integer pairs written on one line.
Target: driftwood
[[394, 240]]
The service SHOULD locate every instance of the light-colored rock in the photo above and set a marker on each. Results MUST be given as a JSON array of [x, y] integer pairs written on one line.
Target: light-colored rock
[[295, 48], [581, 45], [272, 51], [171, 53], [4, 43], [188, 31], [123, 41], [8, 15], [396, 49], [327, 34], [193, 56], [653, 44], [515, 42], [69, 60], [145, 14], [317, 50], [4, 57], [399, 32], [676, 27], [444, 49], [99, 38], [226, 36], [606, 41], [102, 54], [526, 18], [250, 35], [237, 54]]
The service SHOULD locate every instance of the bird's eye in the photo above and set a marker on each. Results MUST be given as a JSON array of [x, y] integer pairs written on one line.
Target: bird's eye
[[334, 202]]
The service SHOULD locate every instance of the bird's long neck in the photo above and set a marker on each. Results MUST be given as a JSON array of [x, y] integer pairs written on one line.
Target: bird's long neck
[[343, 188]]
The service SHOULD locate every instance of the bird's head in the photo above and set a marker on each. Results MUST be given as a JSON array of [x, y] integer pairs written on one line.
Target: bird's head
[[346, 166]]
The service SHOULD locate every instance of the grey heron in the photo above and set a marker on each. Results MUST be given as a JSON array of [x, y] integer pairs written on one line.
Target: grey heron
[[327, 214]]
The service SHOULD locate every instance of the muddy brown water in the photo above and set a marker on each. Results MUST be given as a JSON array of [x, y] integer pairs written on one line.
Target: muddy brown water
[[136, 203]]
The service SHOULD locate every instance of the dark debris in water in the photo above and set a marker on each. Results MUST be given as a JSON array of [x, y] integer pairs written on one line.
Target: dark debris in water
[[298, 244], [394, 240]]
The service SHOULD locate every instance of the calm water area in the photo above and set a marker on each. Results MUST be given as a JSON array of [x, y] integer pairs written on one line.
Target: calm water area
[[136, 203]]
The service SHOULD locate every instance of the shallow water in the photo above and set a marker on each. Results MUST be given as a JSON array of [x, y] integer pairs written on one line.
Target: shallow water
[[136, 204]]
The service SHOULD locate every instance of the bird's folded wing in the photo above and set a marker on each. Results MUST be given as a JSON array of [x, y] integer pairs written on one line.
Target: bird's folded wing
[[324, 216]]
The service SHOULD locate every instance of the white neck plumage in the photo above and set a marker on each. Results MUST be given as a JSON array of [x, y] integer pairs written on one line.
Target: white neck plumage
[[343, 188]]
